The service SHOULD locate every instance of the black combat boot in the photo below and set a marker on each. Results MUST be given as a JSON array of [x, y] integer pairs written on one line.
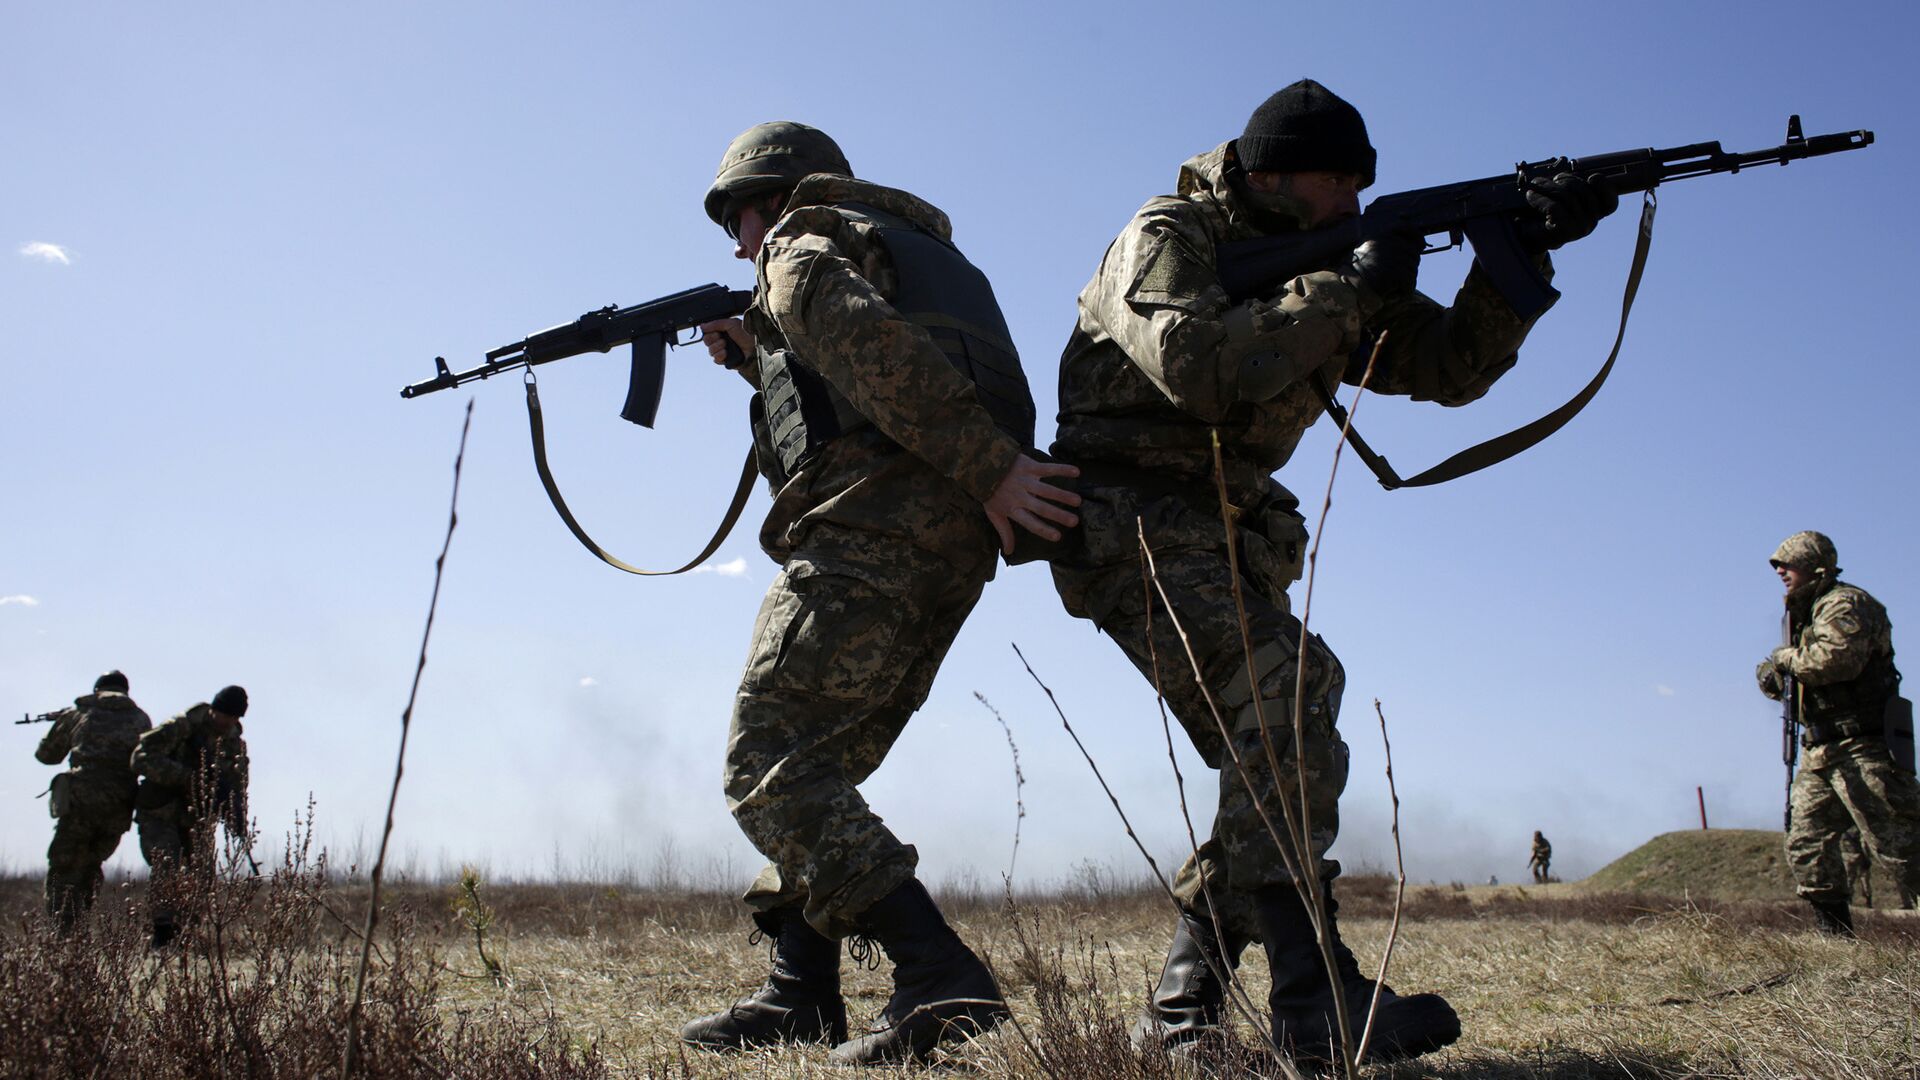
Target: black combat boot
[[800, 1001], [1186, 1005], [941, 990], [1833, 917], [1304, 1020]]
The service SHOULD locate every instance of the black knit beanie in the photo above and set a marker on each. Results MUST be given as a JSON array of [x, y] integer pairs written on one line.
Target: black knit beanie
[[1306, 127]]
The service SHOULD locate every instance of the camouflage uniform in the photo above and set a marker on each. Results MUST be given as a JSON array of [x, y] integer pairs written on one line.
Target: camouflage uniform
[[191, 779], [1842, 661], [1541, 858], [1153, 368], [884, 550], [94, 797]]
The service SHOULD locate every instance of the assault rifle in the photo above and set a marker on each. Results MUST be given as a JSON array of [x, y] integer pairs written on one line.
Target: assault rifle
[[1789, 721], [648, 327], [43, 718], [1483, 213]]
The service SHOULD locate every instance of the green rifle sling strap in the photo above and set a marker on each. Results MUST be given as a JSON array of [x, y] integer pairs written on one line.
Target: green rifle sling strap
[[538, 427], [1502, 447]]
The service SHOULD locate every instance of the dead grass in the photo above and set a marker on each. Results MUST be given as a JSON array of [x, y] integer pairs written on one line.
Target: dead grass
[[1548, 984]]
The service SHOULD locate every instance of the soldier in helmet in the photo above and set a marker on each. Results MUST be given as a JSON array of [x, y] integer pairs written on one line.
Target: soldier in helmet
[[1160, 360], [892, 420], [193, 778], [92, 801], [1540, 859], [1839, 664]]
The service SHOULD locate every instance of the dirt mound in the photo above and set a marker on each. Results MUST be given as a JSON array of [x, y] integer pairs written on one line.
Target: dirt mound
[[1726, 864]]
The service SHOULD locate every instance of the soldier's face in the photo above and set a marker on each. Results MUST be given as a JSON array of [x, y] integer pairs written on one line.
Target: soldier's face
[[749, 230], [1792, 576], [1324, 197]]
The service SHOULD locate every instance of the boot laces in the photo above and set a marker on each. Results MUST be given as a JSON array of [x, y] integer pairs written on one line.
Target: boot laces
[[864, 951], [759, 937]]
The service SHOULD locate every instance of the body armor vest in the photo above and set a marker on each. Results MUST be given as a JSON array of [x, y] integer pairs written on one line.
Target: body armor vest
[[940, 292], [1861, 699]]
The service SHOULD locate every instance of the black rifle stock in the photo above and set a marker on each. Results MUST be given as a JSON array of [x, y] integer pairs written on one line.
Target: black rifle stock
[[1483, 213], [648, 327]]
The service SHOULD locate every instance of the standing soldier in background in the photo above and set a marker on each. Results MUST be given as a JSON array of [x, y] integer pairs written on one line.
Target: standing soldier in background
[[892, 420], [1541, 858], [92, 801], [1160, 360], [193, 777], [1839, 663], [1859, 868]]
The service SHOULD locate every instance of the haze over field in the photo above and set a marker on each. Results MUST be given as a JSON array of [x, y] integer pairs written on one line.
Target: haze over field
[[231, 234]]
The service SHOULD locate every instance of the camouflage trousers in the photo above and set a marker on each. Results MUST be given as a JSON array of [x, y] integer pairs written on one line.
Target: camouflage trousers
[[1846, 785], [1223, 712], [84, 838], [844, 650], [178, 854]]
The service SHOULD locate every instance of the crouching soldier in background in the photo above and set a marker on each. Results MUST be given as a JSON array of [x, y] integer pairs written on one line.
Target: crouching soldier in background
[[92, 801], [193, 776], [892, 420]]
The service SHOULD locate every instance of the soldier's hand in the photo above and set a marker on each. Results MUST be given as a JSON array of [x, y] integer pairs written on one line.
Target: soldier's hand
[[1768, 676], [1025, 498], [1390, 265], [1567, 207], [715, 335]]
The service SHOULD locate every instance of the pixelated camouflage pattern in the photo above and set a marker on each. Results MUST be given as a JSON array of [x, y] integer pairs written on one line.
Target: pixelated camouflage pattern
[[1191, 564], [934, 455], [1835, 638], [1153, 366], [1859, 867], [1808, 550], [1852, 784], [97, 736], [844, 650], [189, 771]]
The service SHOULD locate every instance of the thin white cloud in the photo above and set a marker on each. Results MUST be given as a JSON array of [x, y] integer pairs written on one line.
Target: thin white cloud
[[21, 598], [1663, 690], [736, 568], [45, 252], [588, 680]]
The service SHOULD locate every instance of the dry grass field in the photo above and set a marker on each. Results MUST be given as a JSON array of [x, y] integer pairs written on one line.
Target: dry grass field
[[594, 980]]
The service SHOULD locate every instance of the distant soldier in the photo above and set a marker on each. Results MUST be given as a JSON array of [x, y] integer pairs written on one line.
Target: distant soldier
[[1839, 664], [1541, 859], [193, 776], [92, 801]]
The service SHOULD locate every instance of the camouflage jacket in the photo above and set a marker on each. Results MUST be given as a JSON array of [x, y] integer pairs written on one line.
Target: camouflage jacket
[[100, 731], [933, 455], [1842, 637], [187, 768], [1838, 636], [1153, 363]]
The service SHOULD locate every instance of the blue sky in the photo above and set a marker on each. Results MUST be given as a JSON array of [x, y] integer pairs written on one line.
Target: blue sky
[[264, 220]]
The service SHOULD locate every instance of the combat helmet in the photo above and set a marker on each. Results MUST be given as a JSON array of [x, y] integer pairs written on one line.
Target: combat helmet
[[768, 157], [1809, 551]]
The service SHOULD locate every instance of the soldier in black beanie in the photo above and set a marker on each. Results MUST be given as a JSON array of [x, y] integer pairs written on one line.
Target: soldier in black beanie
[[1161, 360]]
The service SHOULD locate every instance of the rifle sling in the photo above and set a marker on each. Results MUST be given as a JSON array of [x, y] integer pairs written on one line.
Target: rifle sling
[[538, 427], [1501, 447]]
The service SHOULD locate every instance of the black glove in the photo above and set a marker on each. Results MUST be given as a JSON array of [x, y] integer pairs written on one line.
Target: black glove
[[1390, 265], [1568, 208]]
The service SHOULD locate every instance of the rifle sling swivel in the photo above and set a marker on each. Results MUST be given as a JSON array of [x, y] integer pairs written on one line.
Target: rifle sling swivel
[[538, 427], [1501, 447]]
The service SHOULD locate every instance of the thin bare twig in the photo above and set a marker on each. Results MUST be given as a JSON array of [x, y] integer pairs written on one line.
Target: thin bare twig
[[1399, 890], [1019, 787], [351, 1055], [1224, 966]]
